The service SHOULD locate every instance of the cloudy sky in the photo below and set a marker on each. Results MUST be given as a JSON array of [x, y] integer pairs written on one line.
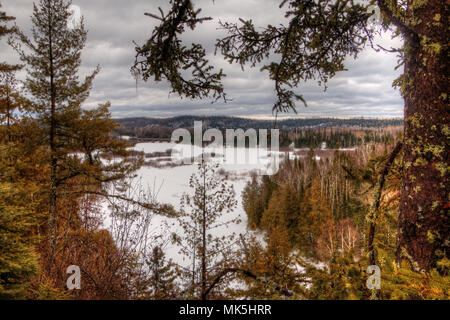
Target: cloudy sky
[[364, 90]]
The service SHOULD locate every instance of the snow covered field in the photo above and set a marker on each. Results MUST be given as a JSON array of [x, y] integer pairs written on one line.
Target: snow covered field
[[169, 183]]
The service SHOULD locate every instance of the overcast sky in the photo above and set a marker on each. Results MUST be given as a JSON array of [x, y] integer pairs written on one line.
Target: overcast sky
[[364, 90]]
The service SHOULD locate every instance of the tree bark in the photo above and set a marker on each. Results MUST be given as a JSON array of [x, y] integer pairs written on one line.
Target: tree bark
[[53, 157], [203, 289], [424, 223]]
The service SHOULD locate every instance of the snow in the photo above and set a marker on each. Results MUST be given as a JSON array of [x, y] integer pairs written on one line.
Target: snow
[[169, 183]]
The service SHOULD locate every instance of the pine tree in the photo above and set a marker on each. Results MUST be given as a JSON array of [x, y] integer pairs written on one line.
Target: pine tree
[[253, 202], [53, 59], [10, 99], [11, 103], [18, 257], [161, 283], [317, 214], [342, 279], [276, 263], [203, 214], [92, 135], [284, 208]]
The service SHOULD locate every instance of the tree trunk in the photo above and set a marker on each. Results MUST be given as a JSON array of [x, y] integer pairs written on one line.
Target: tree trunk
[[203, 291], [8, 115], [424, 223], [53, 158]]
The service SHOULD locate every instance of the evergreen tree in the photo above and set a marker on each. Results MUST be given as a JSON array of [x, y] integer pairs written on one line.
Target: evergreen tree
[[252, 200], [317, 214], [53, 58], [10, 99], [92, 135], [161, 283], [270, 270], [202, 215], [342, 279], [284, 208], [11, 103], [18, 257]]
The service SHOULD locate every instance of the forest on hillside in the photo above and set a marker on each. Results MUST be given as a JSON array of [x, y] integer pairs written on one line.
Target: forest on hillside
[[318, 214], [363, 202], [223, 123], [305, 133]]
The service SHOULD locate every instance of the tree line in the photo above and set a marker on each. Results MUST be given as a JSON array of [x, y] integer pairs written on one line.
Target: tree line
[[320, 212]]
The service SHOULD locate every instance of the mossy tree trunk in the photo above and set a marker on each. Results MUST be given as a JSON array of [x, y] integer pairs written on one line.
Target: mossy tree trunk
[[424, 224]]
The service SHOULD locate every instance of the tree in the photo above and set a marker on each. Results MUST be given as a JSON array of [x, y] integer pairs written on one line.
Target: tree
[[426, 158], [11, 102], [337, 237], [163, 276], [18, 257], [6, 30], [342, 279], [10, 98], [313, 45], [327, 242], [53, 58], [317, 214], [131, 211], [252, 202], [284, 208], [200, 220], [91, 135], [276, 264]]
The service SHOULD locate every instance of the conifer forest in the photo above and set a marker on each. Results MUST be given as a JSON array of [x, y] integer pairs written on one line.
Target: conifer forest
[[116, 186]]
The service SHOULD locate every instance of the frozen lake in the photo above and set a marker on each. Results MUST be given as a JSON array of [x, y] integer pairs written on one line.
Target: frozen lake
[[170, 182]]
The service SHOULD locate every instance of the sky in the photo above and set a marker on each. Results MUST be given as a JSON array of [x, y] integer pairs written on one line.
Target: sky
[[364, 90]]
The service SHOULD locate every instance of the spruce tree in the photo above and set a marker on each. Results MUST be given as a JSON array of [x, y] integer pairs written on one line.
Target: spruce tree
[[10, 98], [163, 275], [12, 102], [53, 58], [18, 256], [252, 202], [202, 215]]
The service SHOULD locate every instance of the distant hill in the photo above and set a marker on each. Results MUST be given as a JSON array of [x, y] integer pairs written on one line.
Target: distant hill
[[223, 122]]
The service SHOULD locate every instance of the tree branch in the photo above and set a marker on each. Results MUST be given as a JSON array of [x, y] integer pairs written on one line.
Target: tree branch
[[377, 202], [248, 274]]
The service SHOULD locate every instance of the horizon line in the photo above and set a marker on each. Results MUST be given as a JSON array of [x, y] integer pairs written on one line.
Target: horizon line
[[264, 118]]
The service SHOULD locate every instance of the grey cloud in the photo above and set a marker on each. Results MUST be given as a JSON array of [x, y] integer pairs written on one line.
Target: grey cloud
[[364, 90]]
